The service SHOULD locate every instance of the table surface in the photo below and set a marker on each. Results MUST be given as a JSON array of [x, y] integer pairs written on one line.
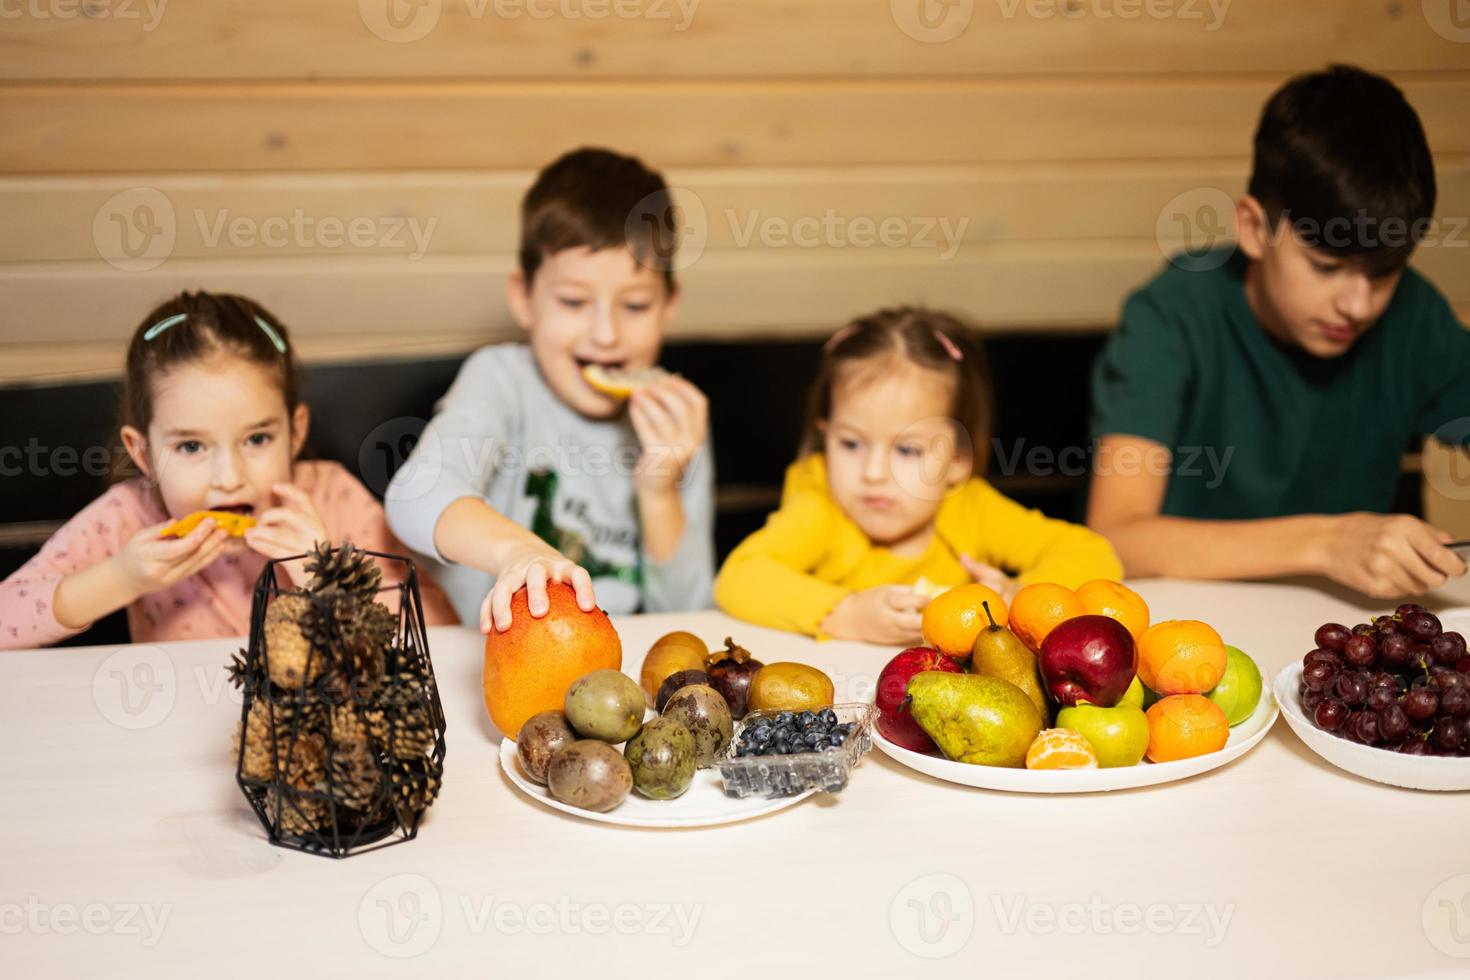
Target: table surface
[[127, 850]]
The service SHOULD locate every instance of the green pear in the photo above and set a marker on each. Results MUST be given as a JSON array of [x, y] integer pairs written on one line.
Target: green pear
[[1000, 653], [1239, 690], [985, 721], [1119, 735]]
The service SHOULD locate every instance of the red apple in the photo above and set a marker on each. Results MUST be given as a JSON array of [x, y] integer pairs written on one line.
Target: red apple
[[1088, 660], [894, 720]]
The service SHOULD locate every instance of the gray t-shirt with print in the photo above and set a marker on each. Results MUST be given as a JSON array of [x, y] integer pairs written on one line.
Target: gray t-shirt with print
[[502, 435]]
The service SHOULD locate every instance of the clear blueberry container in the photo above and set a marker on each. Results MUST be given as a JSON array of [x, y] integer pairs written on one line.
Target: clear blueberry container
[[787, 775]]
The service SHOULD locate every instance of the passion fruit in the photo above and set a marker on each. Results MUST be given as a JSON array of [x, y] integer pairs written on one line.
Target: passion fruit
[[702, 710]]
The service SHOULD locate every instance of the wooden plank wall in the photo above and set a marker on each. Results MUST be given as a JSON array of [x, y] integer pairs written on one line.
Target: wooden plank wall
[[356, 164]]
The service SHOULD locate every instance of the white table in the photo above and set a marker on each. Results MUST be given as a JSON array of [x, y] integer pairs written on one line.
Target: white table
[[126, 849]]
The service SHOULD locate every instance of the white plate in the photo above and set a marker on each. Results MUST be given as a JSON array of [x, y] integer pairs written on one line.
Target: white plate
[[1379, 765], [1242, 738], [704, 804]]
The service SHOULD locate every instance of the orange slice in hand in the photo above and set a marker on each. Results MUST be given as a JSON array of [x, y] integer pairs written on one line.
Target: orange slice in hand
[[235, 524], [619, 383]]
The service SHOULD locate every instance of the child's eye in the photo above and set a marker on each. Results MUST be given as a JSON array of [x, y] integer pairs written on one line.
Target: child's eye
[[571, 302], [189, 447], [910, 450], [258, 439], [637, 307], [1325, 267], [847, 442]]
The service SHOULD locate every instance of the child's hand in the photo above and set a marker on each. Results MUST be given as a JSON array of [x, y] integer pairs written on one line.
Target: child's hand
[[291, 529], [149, 562], [992, 578], [888, 615], [1388, 555], [533, 569], [671, 418]]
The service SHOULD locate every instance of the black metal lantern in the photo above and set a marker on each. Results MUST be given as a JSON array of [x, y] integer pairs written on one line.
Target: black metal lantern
[[341, 738]]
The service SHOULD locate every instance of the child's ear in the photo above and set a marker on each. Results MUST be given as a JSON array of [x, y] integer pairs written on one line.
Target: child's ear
[[1252, 227], [300, 425], [137, 446], [518, 297]]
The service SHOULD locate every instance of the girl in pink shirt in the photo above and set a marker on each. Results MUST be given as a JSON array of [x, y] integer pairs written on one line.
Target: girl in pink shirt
[[213, 419]]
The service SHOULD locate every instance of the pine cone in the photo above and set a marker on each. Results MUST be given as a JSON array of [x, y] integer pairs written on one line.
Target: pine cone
[[288, 652], [398, 719], [346, 568], [355, 775], [259, 761], [347, 726], [306, 763], [299, 814], [415, 784]]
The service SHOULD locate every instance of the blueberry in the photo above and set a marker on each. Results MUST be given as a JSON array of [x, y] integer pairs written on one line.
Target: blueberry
[[784, 717], [782, 748], [829, 717]]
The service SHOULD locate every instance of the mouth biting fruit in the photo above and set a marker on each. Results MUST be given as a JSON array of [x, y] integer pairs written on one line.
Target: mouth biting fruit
[[236, 521]]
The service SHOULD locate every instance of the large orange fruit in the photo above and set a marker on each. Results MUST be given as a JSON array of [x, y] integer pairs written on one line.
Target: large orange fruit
[[1116, 601], [1181, 656], [529, 667], [956, 616], [1040, 608], [1183, 726]]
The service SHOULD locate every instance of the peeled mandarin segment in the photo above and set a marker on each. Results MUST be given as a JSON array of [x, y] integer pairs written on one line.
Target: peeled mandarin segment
[[1061, 748], [234, 524]]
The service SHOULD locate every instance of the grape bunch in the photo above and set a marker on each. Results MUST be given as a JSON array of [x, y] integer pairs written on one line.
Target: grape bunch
[[1400, 682]]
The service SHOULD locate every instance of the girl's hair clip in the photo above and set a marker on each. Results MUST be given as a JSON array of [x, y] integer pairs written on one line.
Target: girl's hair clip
[[955, 354], [838, 337], [178, 318]]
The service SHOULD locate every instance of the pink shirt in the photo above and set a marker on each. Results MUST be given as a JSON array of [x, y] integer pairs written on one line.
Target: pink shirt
[[212, 603]]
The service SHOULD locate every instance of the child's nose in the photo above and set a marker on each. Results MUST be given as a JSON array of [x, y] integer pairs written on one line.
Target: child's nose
[[229, 473], [605, 327], [1355, 301], [875, 467]]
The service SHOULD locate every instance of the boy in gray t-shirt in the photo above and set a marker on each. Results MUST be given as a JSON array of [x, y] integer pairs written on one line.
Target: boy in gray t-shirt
[[529, 473]]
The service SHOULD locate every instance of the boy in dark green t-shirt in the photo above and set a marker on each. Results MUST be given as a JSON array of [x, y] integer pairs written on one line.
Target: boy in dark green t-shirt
[[1251, 411]]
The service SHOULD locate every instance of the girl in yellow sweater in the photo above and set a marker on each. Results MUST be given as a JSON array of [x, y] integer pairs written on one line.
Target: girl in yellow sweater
[[883, 498]]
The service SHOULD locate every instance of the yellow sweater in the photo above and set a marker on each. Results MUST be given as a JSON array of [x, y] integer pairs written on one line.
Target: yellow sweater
[[810, 554]]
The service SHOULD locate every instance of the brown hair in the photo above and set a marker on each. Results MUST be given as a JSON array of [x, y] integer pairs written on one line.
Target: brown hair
[[927, 338], [212, 323], [599, 199]]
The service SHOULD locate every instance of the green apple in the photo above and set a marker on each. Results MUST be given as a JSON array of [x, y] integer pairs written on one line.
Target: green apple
[[1239, 690], [1134, 694], [1118, 734]]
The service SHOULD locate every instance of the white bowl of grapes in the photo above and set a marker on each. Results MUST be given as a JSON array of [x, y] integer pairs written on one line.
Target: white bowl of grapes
[[1387, 700]]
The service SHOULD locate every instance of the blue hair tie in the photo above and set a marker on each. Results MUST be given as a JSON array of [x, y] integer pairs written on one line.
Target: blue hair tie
[[178, 318]]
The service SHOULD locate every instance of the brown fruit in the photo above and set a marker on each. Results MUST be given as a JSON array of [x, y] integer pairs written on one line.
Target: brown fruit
[[590, 775], [790, 687], [540, 738]]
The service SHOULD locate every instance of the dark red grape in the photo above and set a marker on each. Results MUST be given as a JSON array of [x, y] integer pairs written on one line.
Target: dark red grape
[[1380, 698], [1406, 608], [1360, 651], [1310, 700], [1420, 704], [1415, 746], [1350, 689], [1393, 724], [1422, 625], [1420, 656], [1444, 679], [1447, 648], [1320, 656], [1463, 665], [1365, 728], [1395, 650], [1363, 629], [1455, 702], [1332, 636], [1330, 714], [1447, 734], [1318, 676]]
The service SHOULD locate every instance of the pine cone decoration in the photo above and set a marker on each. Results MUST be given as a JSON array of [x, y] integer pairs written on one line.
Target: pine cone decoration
[[355, 775], [347, 727], [301, 815], [399, 721], [346, 568], [259, 761], [415, 784], [287, 649]]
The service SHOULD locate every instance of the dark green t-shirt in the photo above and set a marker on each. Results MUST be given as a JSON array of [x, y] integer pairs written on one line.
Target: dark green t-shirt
[[1261, 430]]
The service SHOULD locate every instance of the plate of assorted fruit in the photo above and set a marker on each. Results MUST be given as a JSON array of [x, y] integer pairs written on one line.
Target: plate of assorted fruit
[[1066, 691], [1387, 700], [700, 739]]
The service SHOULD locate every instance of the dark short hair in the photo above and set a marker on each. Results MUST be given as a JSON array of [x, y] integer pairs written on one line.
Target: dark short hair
[[1341, 155], [597, 199]]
